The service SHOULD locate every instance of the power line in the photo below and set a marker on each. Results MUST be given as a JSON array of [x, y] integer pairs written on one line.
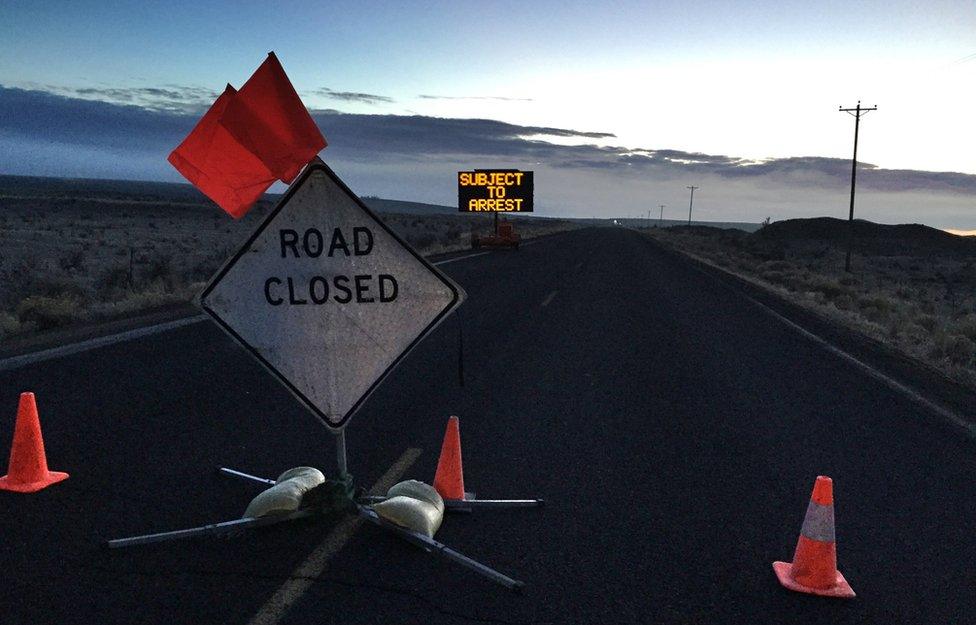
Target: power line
[[857, 112], [661, 220], [691, 203]]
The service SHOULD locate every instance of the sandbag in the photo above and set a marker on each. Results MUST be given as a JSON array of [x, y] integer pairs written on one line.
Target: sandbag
[[417, 490], [286, 495], [413, 505]]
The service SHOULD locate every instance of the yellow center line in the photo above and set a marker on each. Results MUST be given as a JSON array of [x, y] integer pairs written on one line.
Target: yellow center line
[[313, 566]]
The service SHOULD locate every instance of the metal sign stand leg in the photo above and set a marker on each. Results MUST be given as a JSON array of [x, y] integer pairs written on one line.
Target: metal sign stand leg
[[247, 476], [465, 505], [424, 542], [433, 546], [213, 529]]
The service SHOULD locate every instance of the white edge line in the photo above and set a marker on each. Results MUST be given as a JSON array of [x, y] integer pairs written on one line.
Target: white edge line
[[66, 350], [451, 260], [968, 427]]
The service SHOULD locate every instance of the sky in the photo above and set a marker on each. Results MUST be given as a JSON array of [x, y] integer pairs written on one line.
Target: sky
[[617, 106]]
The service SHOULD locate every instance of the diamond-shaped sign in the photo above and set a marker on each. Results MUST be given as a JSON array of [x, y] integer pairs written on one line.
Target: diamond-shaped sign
[[327, 297]]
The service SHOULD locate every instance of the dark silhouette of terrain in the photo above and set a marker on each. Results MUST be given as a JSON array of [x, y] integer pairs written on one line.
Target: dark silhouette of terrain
[[870, 239]]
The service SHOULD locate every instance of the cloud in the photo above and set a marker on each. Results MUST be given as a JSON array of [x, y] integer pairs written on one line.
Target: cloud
[[170, 98], [420, 135], [351, 96], [966, 59], [414, 157], [474, 97], [44, 117]]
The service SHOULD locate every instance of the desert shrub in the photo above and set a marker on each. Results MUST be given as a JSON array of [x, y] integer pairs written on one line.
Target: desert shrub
[[203, 269], [875, 308], [896, 326], [143, 300], [843, 302], [966, 326], [766, 250], [775, 265], [776, 277], [816, 296], [828, 287], [873, 314], [112, 282], [800, 281], [49, 312], [929, 322], [54, 286], [422, 241], [160, 269], [9, 325], [914, 333], [957, 349], [73, 260], [905, 292]]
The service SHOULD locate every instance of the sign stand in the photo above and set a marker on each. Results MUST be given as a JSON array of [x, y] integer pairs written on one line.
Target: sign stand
[[323, 274], [364, 511]]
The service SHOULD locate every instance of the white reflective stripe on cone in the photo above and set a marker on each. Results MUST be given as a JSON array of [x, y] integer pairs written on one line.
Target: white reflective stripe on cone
[[819, 523]]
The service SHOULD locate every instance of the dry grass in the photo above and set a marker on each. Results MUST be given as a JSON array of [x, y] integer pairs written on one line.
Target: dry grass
[[924, 306], [66, 261]]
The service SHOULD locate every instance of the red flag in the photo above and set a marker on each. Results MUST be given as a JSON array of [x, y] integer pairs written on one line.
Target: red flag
[[218, 165], [268, 118]]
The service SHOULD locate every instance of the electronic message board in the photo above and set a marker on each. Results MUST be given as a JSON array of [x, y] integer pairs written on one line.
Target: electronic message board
[[495, 191]]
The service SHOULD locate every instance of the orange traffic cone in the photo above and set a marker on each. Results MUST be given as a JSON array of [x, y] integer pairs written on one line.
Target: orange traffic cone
[[449, 479], [814, 566], [27, 472]]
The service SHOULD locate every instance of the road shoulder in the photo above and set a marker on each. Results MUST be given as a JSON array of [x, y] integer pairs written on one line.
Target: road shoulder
[[914, 374]]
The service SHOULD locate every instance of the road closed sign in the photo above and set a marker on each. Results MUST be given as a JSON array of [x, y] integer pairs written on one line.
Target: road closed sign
[[327, 297]]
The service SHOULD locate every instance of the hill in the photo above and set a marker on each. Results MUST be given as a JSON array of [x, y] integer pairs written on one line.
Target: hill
[[870, 239], [80, 191], [407, 208]]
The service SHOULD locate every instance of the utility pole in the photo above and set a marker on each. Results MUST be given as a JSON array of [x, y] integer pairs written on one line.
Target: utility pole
[[661, 220], [856, 112], [691, 203]]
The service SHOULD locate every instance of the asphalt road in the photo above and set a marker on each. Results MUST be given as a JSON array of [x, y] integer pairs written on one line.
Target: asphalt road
[[674, 428]]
